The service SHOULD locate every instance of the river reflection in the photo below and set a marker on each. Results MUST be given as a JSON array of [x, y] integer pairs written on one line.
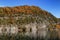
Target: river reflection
[[36, 35], [43, 34]]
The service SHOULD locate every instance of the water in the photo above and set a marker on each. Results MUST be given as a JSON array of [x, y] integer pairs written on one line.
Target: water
[[40, 35]]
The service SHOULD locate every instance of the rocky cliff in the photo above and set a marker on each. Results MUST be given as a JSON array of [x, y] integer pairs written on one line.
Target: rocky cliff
[[27, 20]]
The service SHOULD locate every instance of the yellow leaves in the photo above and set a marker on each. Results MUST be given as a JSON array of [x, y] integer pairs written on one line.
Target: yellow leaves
[[58, 26], [8, 9], [24, 9], [1, 10], [18, 9]]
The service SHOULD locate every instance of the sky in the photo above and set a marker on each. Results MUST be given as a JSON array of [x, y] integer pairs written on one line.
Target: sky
[[52, 6]]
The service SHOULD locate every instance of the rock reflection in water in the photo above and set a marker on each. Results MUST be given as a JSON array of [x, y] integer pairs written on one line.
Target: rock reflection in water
[[31, 31], [46, 35]]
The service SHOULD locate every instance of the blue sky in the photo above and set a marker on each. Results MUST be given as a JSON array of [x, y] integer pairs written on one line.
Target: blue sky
[[52, 6]]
